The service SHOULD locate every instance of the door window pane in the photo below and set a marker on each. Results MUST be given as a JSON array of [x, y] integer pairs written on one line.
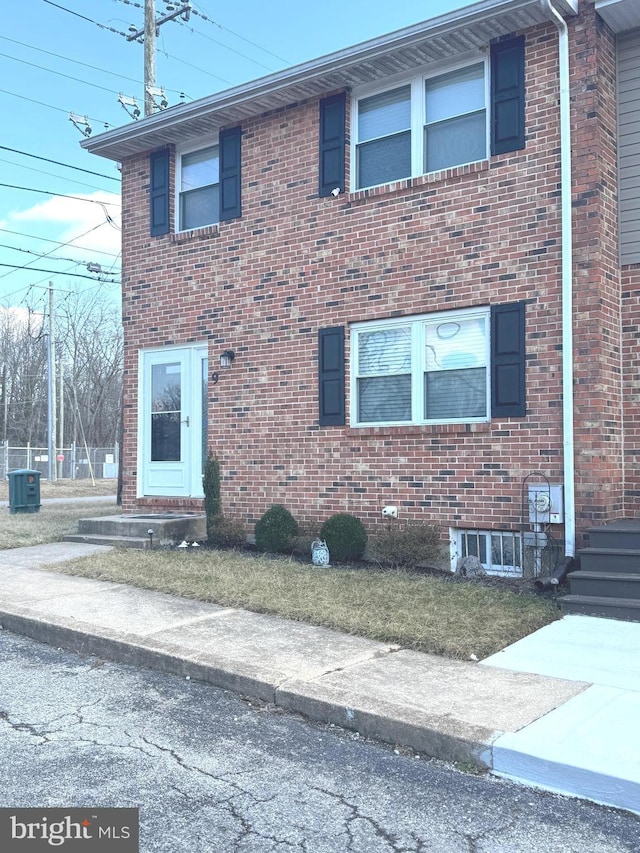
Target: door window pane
[[165, 412]]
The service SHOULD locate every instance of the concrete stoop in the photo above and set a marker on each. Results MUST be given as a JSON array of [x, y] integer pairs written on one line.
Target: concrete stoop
[[140, 531]]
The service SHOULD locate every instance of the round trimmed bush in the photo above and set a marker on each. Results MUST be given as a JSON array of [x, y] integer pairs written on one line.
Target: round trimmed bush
[[276, 530], [345, 536]]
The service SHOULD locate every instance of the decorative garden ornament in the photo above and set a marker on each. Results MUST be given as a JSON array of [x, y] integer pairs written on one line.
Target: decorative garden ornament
[[319, 553]]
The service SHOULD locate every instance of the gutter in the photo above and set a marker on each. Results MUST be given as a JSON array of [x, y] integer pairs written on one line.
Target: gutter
[[567, 281]]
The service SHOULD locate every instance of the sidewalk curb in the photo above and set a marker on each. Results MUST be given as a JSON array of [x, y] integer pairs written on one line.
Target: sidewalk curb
[[305, 698]]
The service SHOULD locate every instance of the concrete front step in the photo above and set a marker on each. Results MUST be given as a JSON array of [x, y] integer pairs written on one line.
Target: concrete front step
[[606, 584], [166, 527], [101, 539], [616, 560], [609, 608]]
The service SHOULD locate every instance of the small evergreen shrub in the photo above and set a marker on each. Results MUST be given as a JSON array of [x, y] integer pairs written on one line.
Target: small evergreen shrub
[[212, 501], [276, 530], [407, 545], [345, 536]]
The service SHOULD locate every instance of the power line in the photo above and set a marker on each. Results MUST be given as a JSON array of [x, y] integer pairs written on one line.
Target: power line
[[50, 174], [84, 64], [51, 107], [237, 35], [57, 272], [44, 255], [57, 162], [209, 20], [59, 244], [84, 18], [59, 73], [60, 195]]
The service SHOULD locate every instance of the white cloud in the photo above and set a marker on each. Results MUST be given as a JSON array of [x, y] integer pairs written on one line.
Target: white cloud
[[81, 223]]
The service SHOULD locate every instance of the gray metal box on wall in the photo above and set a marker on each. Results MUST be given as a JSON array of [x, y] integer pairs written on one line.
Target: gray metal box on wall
[[24, 490]]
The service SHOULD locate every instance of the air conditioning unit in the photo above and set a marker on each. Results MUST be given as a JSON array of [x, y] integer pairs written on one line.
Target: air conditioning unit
[[546, 503]]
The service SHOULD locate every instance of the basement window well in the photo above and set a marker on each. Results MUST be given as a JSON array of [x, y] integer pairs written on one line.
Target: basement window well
[[499, 551]]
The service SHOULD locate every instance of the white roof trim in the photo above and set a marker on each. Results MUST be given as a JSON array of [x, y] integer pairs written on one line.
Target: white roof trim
[[445, 36], [620, 15]]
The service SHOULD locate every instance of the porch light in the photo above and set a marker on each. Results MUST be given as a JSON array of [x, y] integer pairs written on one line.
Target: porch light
[[226, 359]]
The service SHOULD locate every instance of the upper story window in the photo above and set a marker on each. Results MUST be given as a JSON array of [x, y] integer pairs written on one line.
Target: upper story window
[[424, 125], [431, 368], [199, 188]]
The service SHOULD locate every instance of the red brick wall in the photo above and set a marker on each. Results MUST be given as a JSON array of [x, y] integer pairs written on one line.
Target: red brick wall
[[487, 234]]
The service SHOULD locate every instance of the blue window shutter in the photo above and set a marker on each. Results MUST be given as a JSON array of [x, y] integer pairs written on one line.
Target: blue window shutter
[[230, 173], [507, 95], [508, 362], [332, 143], [331, 376], [159, 192]]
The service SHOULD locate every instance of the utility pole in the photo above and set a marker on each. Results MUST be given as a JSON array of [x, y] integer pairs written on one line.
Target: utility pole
[[51, 391], [149, 55], [61, 419], [149, 33]]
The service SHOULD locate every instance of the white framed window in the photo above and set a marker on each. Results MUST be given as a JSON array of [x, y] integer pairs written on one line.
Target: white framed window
[[198, 190], [499, 551], [421, 125], [432, 368]]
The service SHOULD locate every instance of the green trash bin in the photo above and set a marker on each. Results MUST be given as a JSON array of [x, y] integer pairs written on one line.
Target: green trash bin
[[24, 491]]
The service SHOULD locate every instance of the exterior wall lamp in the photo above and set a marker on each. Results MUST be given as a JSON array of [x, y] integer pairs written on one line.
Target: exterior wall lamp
[[226, 360]]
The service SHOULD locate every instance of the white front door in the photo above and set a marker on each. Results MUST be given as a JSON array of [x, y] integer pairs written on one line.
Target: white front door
[[172, 421]]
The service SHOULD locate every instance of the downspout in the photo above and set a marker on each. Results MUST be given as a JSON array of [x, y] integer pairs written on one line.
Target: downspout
[[567, 284]]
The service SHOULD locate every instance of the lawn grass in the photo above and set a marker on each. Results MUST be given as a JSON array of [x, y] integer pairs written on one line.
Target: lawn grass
[[68, 488], [433, 614], [50, 524]]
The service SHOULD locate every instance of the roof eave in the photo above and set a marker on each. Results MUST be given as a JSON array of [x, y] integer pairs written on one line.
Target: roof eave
[[279, 88]]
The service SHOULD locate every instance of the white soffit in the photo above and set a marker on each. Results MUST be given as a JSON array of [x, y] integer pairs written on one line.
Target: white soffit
[[434, 40], [621, 15]]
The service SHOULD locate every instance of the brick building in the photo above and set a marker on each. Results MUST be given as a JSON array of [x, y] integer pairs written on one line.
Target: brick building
[[419, 272]]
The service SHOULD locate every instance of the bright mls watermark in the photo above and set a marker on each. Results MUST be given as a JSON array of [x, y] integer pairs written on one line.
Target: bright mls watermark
[[109, 830]]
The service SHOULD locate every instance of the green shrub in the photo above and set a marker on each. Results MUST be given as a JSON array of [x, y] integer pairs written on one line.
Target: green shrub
[[212, 501], [226, 533], [345, 536], [407, 545], [276, 530]]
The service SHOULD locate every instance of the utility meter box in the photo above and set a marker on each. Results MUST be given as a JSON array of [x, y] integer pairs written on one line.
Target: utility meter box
[[24, 491], [546, 503]]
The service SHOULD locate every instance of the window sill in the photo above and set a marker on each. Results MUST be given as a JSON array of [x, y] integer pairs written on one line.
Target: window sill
[[205, 231], [426, 429], [420, 181]]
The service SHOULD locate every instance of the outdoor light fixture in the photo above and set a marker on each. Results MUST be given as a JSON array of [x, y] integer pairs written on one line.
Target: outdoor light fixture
[[226, 359]]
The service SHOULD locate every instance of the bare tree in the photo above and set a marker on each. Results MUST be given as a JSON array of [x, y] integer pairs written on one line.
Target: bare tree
[[89, 349]]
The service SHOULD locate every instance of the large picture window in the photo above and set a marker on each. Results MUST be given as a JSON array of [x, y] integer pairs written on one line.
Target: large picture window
[[431, 368], [427, 124]]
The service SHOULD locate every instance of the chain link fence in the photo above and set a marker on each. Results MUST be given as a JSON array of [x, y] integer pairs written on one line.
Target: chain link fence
[[76, 462]]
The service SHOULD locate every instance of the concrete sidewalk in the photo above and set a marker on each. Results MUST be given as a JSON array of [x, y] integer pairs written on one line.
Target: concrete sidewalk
[[520, 713]]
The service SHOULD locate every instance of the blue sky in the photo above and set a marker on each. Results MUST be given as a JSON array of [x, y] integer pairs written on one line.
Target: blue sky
[[70, 56]]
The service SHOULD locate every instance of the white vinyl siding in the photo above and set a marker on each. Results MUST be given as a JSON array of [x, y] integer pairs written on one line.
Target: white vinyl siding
[[629, 145]]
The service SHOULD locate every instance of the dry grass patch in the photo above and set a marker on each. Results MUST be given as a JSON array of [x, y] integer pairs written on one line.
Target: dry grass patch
[[68, 488], [429, 614], [51, 524]]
